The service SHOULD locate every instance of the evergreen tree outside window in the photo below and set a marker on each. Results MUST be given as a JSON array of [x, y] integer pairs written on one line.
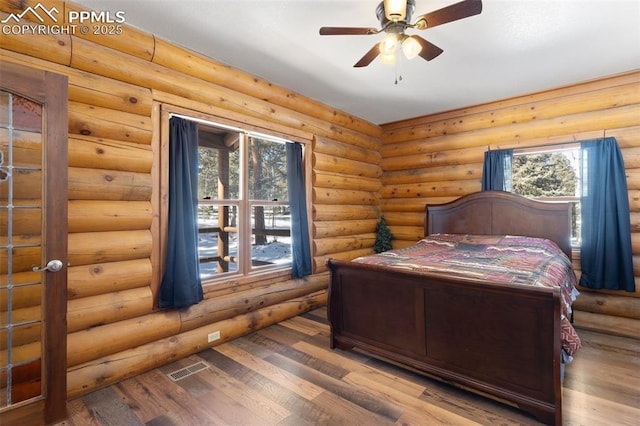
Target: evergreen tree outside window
[[550, 175], [243, 202], [591, 176]]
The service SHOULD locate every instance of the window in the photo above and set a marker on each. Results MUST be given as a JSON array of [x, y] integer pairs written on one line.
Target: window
[[243, 209], [550, 174]]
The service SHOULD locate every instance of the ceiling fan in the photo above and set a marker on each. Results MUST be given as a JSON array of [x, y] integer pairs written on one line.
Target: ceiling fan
[[395, 18]]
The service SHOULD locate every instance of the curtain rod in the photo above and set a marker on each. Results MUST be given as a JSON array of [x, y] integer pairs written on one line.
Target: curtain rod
[[203, 121], [227, 127]]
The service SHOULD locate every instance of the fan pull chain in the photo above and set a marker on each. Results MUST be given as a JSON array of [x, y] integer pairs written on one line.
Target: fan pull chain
[[398, 74]]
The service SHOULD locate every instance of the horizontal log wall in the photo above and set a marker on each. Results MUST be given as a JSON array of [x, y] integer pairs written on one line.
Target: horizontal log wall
[[346, 183], [113, 330], [437, 158]]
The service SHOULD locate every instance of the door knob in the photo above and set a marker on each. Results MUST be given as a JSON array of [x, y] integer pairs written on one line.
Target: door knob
[[53, 266]]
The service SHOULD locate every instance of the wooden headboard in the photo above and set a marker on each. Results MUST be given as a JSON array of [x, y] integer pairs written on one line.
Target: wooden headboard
[[502, 213]]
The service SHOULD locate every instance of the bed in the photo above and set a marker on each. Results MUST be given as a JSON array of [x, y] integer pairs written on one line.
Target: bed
[[502, 339]]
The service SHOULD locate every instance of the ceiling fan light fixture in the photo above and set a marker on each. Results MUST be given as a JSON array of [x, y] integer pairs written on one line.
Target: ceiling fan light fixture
[[410, 47], [389, 44], [395, 10], [388, 59]]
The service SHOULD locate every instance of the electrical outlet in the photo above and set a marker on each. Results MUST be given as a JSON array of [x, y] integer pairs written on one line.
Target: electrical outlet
[[212, 337]]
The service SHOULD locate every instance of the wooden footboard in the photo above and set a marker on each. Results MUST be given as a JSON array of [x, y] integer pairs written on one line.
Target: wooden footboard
[[499, 339]]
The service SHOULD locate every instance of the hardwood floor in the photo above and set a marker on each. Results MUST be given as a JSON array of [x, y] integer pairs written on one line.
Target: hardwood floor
[[287, 375]]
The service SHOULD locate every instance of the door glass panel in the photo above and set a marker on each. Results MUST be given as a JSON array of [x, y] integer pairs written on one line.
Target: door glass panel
[[21, 319]]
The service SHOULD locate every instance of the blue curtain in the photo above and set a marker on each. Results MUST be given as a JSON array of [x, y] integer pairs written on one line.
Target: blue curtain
[[181, 285], [300, 245], [606, 256], [496, 170]]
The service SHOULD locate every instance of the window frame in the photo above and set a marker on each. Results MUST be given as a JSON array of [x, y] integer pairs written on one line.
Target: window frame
[[557, 148], [159, 201], [245, 206]]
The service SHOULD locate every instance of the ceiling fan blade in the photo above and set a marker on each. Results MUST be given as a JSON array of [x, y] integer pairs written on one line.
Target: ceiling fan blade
[[368, 57], [348, 31], [429, 50], [456, 11]]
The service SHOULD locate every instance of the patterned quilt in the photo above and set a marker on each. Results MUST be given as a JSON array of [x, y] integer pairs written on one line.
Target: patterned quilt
[[506, 259]]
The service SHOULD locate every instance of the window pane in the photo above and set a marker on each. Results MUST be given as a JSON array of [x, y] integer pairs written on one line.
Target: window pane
[[551, 174], [271, 235], [217, 240], [575, 223], [267, 170], [548, 175], [218, 164]]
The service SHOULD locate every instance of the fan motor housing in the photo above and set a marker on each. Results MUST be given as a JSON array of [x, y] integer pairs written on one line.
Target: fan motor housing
[[400, 25]]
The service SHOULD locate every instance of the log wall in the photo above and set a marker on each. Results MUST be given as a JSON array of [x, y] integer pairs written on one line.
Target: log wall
[[438, 158], [346, 183], [116, 84], [358, 172]]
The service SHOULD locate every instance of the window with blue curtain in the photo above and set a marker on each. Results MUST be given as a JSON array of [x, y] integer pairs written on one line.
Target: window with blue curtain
[[237, 207], [606, 254]]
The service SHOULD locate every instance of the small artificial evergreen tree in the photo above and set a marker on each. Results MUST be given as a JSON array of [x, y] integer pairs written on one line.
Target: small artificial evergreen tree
[[383, 236]]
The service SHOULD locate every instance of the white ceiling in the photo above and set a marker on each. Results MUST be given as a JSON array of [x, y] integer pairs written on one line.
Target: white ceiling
[[513, 47]]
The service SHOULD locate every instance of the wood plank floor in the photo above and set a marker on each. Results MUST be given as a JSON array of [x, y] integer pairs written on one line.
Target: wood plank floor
[[287, 375]]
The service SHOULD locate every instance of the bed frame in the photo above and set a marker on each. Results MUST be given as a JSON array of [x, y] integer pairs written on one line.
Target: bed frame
[[497, 339]]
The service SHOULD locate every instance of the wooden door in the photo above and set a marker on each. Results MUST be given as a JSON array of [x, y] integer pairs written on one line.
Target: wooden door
[[33, 233]]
